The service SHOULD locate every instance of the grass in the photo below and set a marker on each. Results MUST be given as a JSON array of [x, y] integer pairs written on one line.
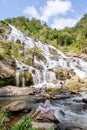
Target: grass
[[3, 119], [25, 124]]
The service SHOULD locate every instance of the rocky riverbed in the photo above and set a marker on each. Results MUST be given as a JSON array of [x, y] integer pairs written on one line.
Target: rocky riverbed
[[68, 108]]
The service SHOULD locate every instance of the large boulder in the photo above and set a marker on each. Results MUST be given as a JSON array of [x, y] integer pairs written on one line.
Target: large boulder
[[45, 121], [47, 117], [15, 91], [16, 106]]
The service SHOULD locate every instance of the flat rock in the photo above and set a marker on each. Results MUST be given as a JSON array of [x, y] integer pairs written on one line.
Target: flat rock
[[16, 106], [62, 96], [44, 126], [15, 91]]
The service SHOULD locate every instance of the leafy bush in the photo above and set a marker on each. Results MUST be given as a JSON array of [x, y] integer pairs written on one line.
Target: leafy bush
[[7, 49]]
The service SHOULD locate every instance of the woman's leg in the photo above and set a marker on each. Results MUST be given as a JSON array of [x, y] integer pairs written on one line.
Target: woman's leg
[[36, 114]]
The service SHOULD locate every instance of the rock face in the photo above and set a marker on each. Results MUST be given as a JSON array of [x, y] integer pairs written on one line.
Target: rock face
[[15, 91], [6, 70], [16, 106], [7, 74]]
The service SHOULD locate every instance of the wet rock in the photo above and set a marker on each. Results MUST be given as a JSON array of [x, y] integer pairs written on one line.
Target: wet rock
[[16, 106], [84, 100], [62, 96], [73, 128], [77, 100], [47, 117], [26, 110], [39, 99]]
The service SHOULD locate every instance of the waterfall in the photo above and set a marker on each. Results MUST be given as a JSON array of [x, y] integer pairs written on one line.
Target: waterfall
[[42, 70], [23, 78], [17, 73]]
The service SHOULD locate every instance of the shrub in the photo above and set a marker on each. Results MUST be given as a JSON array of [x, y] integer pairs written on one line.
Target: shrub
[[52, 90]]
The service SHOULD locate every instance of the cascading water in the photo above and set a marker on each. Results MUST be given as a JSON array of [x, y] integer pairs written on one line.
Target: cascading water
[[17, 77], [23, 79], [42, 73], [72, 115]]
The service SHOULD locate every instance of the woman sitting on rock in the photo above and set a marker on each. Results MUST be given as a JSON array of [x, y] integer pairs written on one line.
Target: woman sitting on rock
[[43, 108]]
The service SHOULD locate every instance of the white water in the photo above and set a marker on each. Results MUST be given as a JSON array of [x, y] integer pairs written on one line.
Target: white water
[[53, 59], [69, 116], [17, 77], [72, 118]]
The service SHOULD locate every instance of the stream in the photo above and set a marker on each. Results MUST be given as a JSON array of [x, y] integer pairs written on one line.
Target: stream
[[16, 116], [71, 111], [74, 112]]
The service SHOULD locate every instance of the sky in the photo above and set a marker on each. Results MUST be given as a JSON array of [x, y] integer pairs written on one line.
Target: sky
[[56, 13]]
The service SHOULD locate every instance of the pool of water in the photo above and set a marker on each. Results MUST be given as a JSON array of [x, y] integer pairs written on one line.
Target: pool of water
[[16, 116]]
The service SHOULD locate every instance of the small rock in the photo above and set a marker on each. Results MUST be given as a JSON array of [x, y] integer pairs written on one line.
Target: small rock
[[45, 125], [73, 128]]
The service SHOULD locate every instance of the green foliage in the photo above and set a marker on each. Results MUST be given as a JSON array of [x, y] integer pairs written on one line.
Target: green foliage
[[59, 74], [35, 51], [7, 49], [28, 78], [3, 119], [74, 86], [4, 28], [15, 53], [51, 90], [75, 37], [25, 124], [6, 80], [50, 129]]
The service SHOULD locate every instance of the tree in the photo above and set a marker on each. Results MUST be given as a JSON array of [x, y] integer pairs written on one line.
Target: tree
[[35, 51]]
